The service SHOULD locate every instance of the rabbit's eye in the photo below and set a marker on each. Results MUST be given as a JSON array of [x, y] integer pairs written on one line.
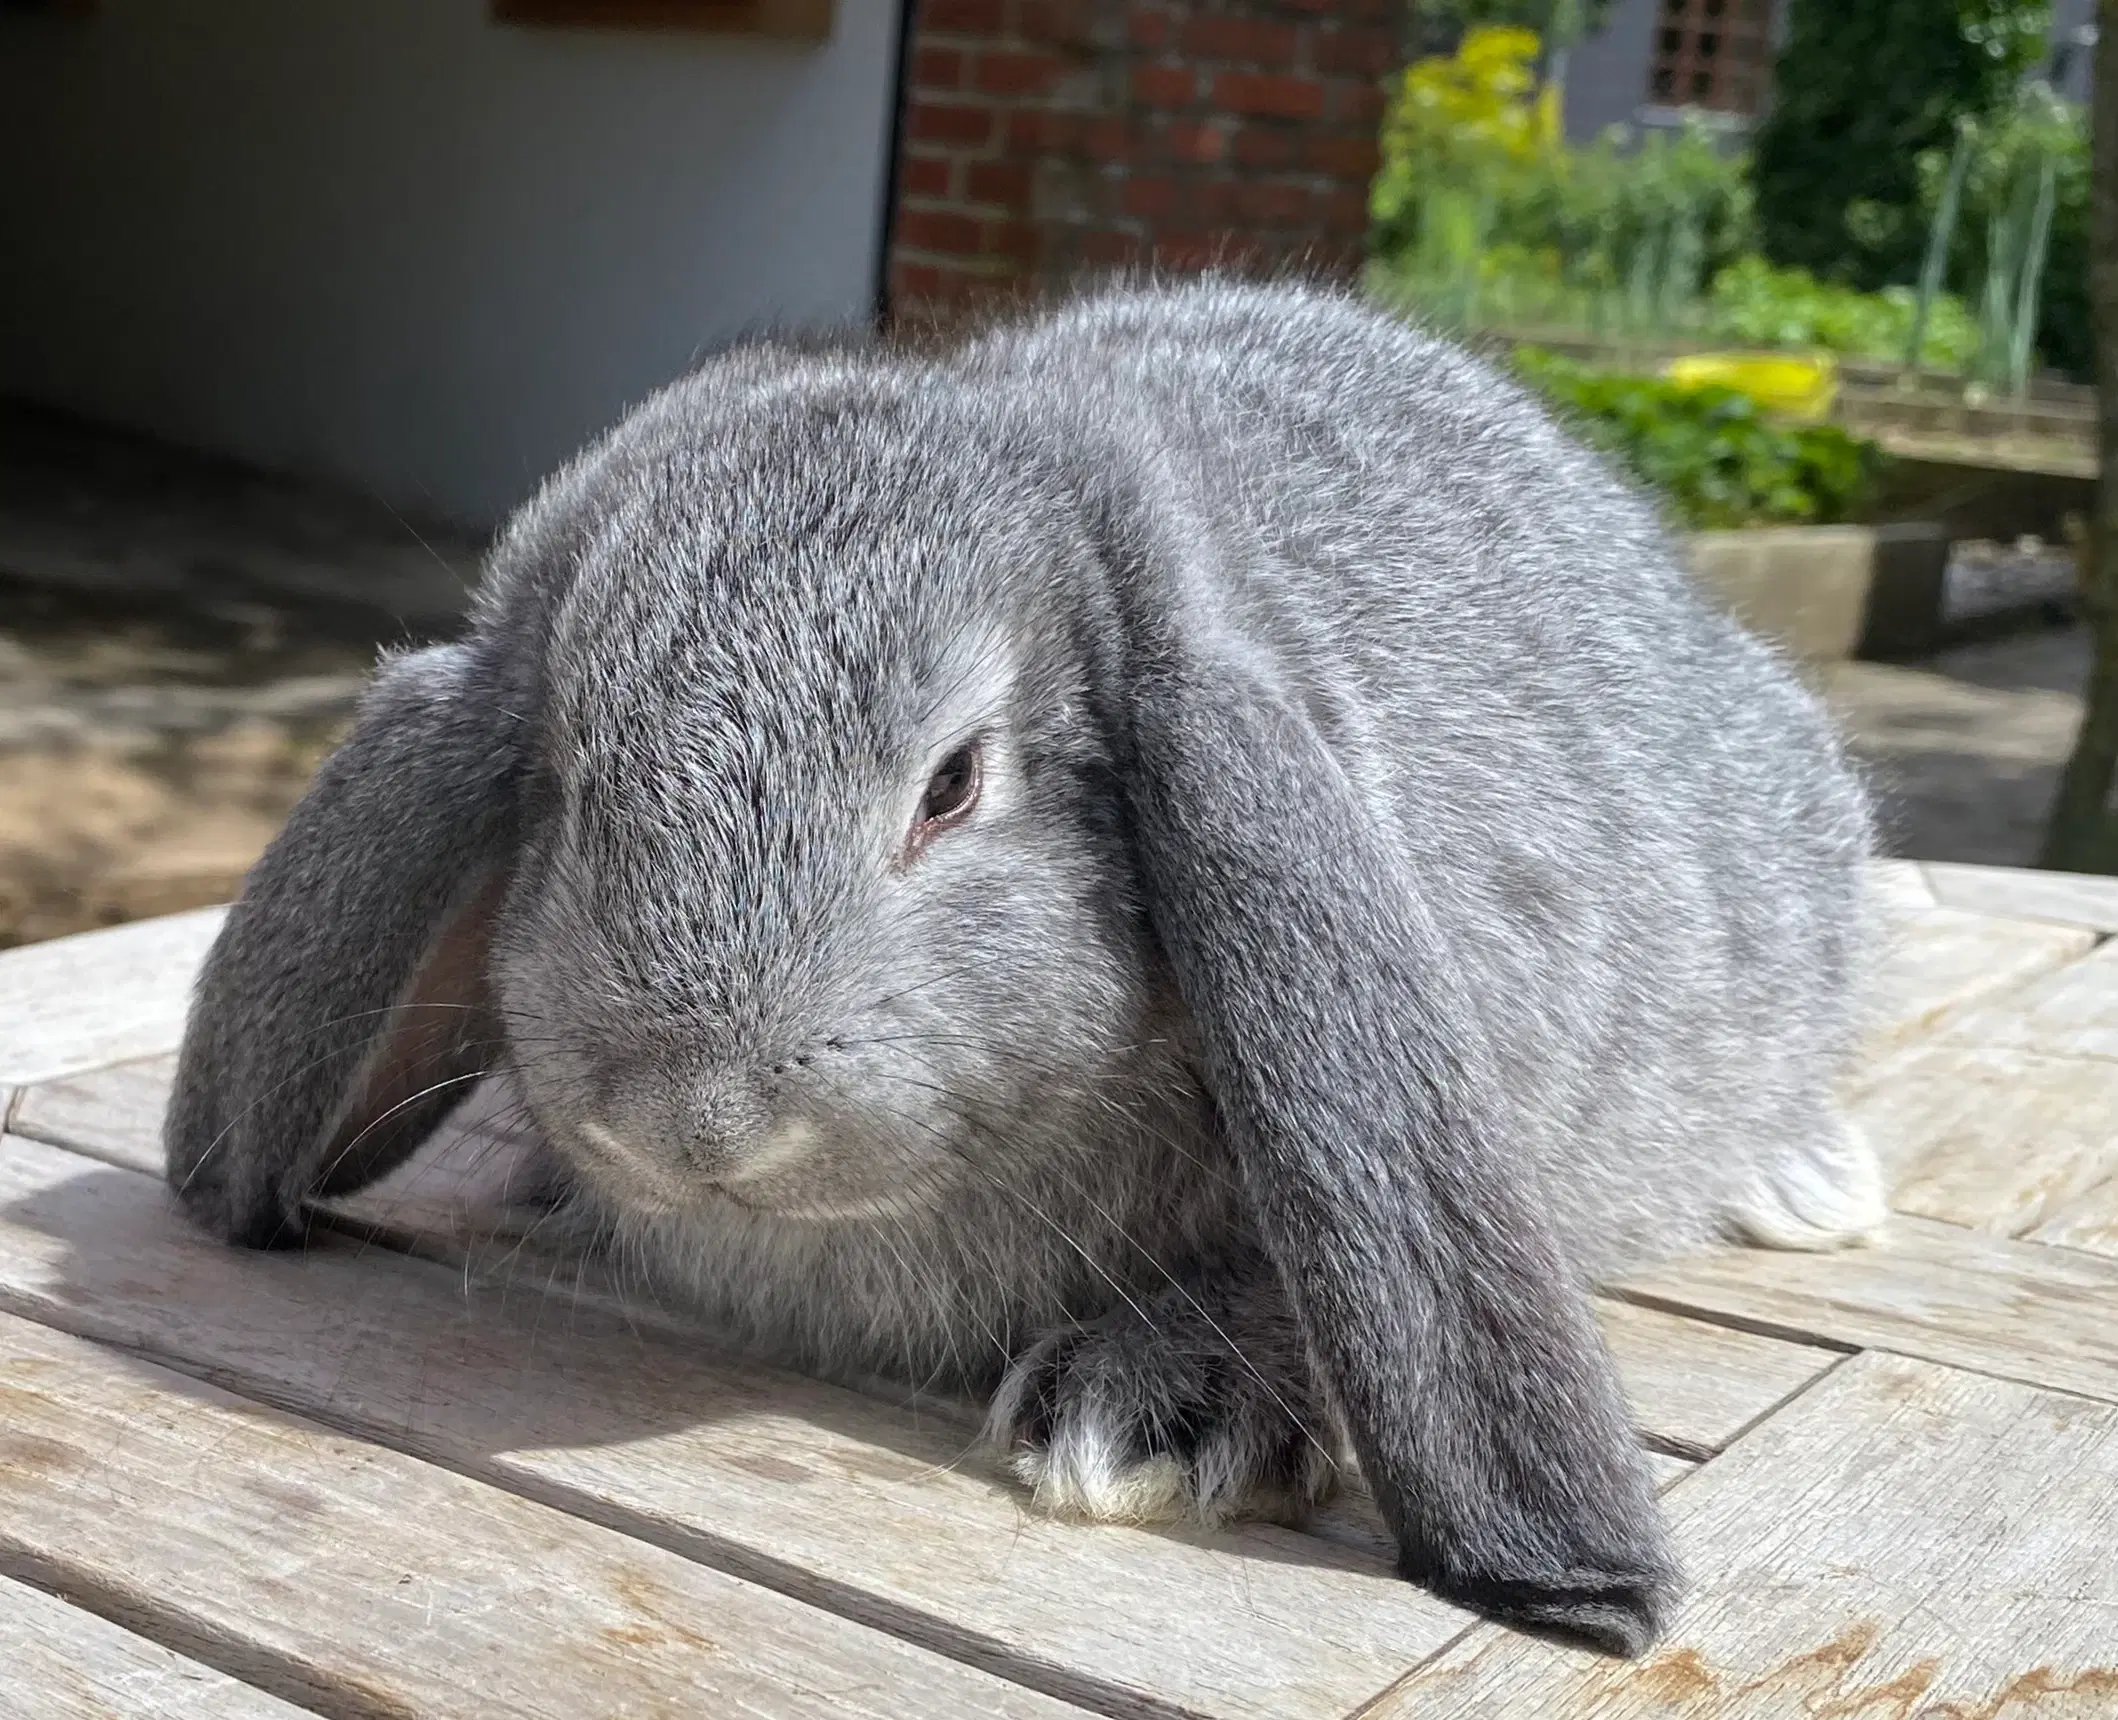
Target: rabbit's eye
[[952, 792]]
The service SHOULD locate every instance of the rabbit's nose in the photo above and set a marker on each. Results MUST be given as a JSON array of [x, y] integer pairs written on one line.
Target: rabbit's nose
[[723, 1121]]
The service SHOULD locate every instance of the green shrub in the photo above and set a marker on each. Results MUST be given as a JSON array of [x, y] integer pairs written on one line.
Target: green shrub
[[1483, 215], [1480, 199], [1755, 304], [1464, 127], [2009, 147], [1862, 90], [1717, 460], [1676, 197]]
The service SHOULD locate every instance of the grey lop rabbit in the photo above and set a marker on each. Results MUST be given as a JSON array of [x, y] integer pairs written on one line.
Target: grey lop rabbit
[[1192, 862]]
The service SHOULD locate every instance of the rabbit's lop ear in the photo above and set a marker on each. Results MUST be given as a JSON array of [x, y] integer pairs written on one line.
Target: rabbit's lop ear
[[1374, 1144], [343, 1010]]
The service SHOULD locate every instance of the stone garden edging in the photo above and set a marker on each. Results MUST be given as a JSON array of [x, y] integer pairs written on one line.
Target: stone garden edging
[[1827, 593]]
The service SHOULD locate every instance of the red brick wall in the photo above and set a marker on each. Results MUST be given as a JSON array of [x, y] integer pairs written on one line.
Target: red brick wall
[[1045, 140]]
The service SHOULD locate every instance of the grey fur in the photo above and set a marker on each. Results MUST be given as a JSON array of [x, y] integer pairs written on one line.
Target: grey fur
[[1397, 901]]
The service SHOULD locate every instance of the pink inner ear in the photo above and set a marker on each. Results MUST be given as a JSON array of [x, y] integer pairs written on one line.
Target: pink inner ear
[[442, 1034]]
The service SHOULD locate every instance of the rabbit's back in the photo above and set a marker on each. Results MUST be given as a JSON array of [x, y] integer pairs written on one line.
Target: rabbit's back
[[1627, 813]]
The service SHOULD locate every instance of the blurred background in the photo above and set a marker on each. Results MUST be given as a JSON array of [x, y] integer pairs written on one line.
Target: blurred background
[[298, 301]]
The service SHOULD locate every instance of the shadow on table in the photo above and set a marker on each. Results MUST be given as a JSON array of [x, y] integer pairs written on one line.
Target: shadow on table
[[512, 1378]]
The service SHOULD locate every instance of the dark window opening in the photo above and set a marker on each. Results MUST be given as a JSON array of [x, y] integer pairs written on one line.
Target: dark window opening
[[1716, 53]]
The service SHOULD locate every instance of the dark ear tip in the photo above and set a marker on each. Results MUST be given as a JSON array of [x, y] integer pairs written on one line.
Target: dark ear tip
[[1623, 1616]]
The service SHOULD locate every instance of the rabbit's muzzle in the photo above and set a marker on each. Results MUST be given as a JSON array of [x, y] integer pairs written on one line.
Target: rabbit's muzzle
[[665, 1127], [767, 1143]]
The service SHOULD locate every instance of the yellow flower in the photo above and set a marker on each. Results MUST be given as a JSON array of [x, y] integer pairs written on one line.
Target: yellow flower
[[1484, 98]]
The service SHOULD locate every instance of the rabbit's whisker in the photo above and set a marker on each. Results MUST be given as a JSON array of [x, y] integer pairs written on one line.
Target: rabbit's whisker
[[405, 1103], [1233, 1348], [353, 1053], [1028, 1205]]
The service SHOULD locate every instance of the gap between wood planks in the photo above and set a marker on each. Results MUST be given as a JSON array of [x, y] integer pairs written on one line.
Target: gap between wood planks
[[1784, 1332], [2032, 1314], [75, 1664]]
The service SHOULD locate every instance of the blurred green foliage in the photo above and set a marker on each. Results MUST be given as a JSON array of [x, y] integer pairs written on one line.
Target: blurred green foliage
[[1484, 216], [1717, 459], [1755, 304], [1863, 89], [1480, 208], [2010, 147]]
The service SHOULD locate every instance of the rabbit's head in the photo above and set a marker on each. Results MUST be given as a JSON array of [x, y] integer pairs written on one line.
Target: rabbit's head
[[819, 903]]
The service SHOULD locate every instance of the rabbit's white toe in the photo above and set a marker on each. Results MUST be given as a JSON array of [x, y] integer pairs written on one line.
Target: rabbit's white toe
[[1148, 1416], [1825, 1193], [1085, 1474]]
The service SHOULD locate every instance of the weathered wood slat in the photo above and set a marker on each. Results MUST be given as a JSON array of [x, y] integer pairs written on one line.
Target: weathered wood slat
[[1990, 1136], [2071, 898], [113, 1114], [1936, 964], [1902, 1540], [2020, 1311], [400, 1351], [360, 1582], [100, 997], [2089, 1220], [451, 1201], [1693, 1386], [61, 1663], [2069, 1013], [1901, 888], [815, 1490]]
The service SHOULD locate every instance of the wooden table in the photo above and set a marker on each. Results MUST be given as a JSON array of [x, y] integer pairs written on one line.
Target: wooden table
[[424, 1469]]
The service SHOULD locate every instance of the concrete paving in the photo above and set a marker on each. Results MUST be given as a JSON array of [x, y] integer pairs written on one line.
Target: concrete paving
[[1964, 750]]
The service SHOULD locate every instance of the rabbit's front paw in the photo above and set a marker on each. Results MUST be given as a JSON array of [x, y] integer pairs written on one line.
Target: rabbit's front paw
[[1139, 1420]]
